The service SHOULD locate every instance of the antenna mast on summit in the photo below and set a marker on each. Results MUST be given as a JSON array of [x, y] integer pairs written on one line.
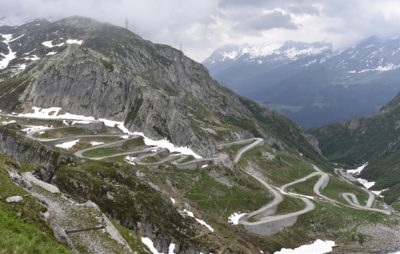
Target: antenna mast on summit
[[126, 23]]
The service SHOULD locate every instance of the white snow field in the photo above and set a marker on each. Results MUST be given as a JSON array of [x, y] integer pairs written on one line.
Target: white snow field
[[367, 184], [235, 217], [317, 247], [49, 44], [358, 170], [202, 222], [68, 145], [74, 41], [7, 38]]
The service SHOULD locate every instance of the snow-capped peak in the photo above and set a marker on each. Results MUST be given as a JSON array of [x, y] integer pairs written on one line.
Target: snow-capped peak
[[288, 50]]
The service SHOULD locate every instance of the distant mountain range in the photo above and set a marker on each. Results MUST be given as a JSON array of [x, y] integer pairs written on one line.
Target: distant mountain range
[[310, 82]]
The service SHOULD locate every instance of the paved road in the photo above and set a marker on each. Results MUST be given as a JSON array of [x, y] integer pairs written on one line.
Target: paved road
[[269, 208], [309, 205], [264, 214], [320, 184], [111, 144], [352, 199], [257, 142]]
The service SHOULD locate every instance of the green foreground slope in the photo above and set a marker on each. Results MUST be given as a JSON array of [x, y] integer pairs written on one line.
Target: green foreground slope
[[21, 229]]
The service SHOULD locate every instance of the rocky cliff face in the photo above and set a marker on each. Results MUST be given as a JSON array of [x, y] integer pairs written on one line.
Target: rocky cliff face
[[31, 153]]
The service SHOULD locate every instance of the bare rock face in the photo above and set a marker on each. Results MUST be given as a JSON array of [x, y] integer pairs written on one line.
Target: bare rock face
[[24, 151], [314, 142]]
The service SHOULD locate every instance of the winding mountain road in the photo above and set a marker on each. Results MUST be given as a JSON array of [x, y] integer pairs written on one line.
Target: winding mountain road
[[352, 199], [266, 223]]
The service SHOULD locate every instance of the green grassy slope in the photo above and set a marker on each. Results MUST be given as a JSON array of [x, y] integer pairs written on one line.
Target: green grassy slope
[[21, 229], [375, 139]]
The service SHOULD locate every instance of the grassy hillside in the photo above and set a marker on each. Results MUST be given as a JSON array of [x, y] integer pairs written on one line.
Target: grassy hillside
[[374, 139], [21, 229]]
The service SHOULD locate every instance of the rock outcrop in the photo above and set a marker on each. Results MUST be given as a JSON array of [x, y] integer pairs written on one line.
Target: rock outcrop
[[24, 150]]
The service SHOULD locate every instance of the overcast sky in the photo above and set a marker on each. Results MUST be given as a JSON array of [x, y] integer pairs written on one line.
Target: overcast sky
[[204, 25]]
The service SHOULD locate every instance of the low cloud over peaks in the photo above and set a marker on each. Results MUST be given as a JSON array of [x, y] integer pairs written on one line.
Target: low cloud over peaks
[[202, 26]]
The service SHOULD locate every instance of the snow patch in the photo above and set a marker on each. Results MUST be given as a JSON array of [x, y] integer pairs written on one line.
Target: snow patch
[[173, 200], [365, 183], [310, 63], [54, 113], [358, 170], [381, 68], [254, 51], [202, 222], [74, 41], [21, 67], [379, 193], [31, 58], [49, 44], [32, 128], [95, 143], [81, 122], [293, 53], [11, 54], [52, 53], [130, 160], [235, 217], [149, 243], [68, 145], [171, 248], [230, 55], [317, 247], [8, 122]]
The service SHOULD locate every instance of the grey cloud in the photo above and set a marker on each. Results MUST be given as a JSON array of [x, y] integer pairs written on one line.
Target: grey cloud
[[203, 25], [303, 9], [239, 3], [274, 19]]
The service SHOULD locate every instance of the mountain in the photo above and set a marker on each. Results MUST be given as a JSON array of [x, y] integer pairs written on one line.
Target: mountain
[[374, 139], [18, 19], [152, 88], [310, 82], [119, 145]]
